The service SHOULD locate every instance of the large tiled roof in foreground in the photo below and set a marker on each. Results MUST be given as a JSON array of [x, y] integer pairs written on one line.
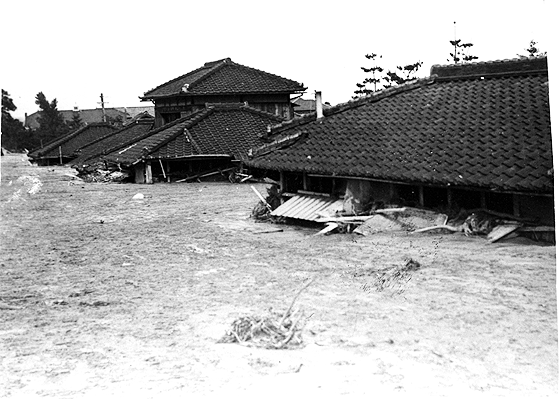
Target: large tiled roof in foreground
[[73, 141], [489, 128], [217, 130], [224, 77]]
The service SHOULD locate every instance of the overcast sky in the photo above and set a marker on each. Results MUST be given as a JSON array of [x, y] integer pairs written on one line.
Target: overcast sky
[[75, 50]]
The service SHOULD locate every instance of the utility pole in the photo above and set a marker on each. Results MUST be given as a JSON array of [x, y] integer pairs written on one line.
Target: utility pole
[[103, 108]]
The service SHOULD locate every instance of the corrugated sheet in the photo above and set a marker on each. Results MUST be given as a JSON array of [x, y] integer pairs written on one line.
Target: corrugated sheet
[[305, 207]]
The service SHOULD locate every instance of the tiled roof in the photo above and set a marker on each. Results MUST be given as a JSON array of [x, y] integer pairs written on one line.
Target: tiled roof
[[73, 141], [218, 129], [224, 77], [91, 151], [487, 130]]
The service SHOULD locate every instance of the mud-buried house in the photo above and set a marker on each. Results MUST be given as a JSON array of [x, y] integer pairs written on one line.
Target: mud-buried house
[[470, 135], [217, 137], [64, 148]]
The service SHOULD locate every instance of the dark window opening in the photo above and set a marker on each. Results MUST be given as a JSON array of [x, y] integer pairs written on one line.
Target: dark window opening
[[294, 182], [466, 199], [407, 195], [170, 117], [322, 185], [499, 202], [435, 198]]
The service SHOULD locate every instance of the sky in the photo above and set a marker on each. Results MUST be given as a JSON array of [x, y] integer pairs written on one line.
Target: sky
[[74, 51]]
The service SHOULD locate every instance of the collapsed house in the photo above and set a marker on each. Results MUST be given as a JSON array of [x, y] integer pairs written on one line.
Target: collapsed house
[[89, 156], [469, 136], [205, 122], [63, 149], [215, 139], [222, 81]]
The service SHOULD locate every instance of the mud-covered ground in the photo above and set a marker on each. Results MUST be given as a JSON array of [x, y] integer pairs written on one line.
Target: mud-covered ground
[[106, 296]]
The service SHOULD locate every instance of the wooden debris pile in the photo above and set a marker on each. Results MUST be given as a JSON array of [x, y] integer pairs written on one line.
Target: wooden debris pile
[[271, 332], [495, 226], [394, 277], [266, 205], [379, 220], [274, 331]]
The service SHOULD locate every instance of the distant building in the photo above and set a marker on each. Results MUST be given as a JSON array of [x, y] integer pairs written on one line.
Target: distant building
[[117, 115], [304, 107]]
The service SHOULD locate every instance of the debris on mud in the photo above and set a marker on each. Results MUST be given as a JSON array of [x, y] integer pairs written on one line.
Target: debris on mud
[[270, 332], [266, 205], [101, 172], [393, 277], [274, 331]]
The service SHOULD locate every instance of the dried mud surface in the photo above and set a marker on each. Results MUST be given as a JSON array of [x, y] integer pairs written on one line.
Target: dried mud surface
[[104, 296]]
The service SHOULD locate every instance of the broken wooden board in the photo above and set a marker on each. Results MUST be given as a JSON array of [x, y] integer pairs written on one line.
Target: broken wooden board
[[501, 231], [330, 227]]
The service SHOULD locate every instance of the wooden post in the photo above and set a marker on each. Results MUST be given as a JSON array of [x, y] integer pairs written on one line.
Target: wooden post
[[60, 154], [392, 191], [305, 182], [162, 169], [421, 195], [168, 168], [483, 200], [516, 211], [282, 181], [102, 108], [148, 172], [449, 198]]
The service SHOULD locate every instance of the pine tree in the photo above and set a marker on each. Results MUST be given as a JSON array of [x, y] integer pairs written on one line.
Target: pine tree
[[532, 50], [51, 122], [401, 75]]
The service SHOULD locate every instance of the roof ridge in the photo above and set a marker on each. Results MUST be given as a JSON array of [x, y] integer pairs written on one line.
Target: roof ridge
[[495, 61], [516, 66], [211, 70]]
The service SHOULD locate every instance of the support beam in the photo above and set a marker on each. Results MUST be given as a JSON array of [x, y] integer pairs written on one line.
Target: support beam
[[282, 181], [516, 211], [148, 172]]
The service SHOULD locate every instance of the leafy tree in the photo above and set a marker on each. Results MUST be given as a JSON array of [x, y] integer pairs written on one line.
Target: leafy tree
[[14, 135], [51, 122], [460, 52], [532, 50]]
